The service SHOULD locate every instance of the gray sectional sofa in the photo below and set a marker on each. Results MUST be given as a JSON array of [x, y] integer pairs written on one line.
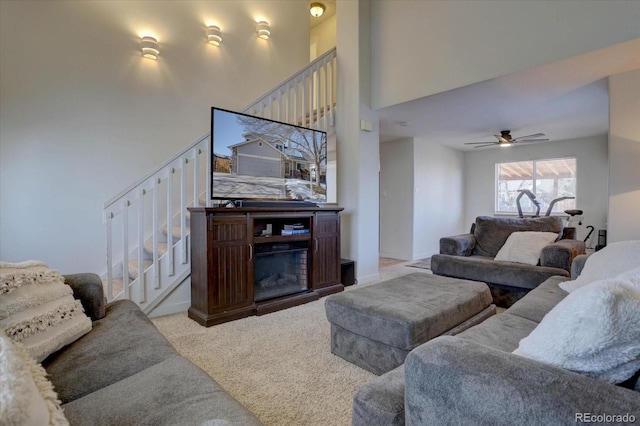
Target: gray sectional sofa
[[473, 378], [124, 372], [471, 256]]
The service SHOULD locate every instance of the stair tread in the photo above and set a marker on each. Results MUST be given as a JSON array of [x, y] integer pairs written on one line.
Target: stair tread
[[162, 248], [133, 267]]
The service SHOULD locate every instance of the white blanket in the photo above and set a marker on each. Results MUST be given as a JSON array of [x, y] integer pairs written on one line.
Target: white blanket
[[595, 330]]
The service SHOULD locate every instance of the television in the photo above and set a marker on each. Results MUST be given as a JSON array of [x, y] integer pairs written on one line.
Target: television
[[254, 158]]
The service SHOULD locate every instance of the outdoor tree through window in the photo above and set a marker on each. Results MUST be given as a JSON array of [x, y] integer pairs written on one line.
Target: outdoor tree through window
[[547, 179]]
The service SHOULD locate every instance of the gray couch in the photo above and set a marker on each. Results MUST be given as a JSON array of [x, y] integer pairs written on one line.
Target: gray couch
[[125, 372], [471, 256], [472, 378]]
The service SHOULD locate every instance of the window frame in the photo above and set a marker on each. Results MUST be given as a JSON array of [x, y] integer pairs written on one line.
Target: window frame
[[534, 186]]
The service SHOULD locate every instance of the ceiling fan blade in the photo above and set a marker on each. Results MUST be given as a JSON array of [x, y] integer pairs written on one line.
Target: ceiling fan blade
[[479, 143], [533, 140], [486, 144], [535, 135]]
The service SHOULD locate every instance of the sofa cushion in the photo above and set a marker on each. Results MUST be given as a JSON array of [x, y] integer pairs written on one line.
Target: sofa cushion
[[38, 309], [381, 400], [27, 398], [492, 232], [540, 300], [525, 246], [503, 331], [485, 269], [612, 260], [121, 344], [172, 392], [595, 330]]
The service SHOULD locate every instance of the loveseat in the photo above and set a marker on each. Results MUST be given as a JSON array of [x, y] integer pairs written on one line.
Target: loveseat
[[124, 372], [472, 256], [473, 378]]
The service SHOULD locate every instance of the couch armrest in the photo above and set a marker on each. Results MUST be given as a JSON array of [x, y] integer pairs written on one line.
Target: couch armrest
[[578, 264], [453, 381], [87, 288], [458, 245], [561, 254]]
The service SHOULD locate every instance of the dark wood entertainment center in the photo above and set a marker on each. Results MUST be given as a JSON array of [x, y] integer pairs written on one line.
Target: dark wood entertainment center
[[242, 264]]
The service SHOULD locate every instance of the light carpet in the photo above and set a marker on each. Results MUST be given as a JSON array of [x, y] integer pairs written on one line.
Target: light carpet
[[279, 366]]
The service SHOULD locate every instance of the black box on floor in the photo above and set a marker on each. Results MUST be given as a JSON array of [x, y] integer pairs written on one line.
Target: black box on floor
[[347, 272]]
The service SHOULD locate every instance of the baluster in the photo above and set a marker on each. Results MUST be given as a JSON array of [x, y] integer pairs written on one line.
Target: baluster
[[317, 91], [109, 256], [170, 220], [141, 279], [183, 210], [125, 248], [209, 173], [196, 177], [156, 231], [303, 97], [330, 84]]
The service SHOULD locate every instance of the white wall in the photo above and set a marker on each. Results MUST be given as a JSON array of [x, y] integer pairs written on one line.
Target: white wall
[[439, 196], [358, 151], [323, 37], [83, 115], [624, 157], [421, 197], [591, 186], [455, 43], [396, 199]]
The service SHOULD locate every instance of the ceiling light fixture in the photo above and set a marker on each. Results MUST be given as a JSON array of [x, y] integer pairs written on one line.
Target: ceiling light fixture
[[263, 30], [214, 35], [149, 47], [505, 145], [316, 10]]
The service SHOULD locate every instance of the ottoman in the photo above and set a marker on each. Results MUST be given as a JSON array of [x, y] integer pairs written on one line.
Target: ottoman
[[375, 327]]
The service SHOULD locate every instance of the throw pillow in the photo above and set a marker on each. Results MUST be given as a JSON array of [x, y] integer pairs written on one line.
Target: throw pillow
[[595, 330], [26, 396], [610, 261], [38, 309], [525, 247]]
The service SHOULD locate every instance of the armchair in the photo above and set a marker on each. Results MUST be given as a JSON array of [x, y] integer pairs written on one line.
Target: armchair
[[471, 256]]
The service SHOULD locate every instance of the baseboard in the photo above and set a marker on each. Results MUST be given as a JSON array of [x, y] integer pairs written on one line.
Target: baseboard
[[368, 278], [423, 255], [168, 309], [394, 255]]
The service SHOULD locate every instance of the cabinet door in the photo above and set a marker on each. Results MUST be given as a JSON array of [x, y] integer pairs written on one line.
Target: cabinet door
[[230, 263], [326, 250]]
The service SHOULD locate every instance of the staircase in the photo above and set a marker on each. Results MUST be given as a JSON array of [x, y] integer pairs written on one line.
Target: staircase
[[147, 224]]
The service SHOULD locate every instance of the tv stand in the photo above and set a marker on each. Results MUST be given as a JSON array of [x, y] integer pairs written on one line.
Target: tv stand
[[269, 204], [256, 260]]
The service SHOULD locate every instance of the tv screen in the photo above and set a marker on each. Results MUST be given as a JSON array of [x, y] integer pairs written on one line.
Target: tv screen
[[253, 158]]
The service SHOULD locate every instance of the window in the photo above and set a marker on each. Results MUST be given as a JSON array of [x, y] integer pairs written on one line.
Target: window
[[547, 179]]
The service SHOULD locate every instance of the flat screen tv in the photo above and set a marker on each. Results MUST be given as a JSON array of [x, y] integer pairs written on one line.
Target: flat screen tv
[[254, 158]]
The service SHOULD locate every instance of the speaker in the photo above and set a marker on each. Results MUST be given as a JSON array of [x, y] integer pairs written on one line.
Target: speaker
[[602, 239], [347, 272]]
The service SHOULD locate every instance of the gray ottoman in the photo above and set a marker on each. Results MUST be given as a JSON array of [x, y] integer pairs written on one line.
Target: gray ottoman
[[375, 327]]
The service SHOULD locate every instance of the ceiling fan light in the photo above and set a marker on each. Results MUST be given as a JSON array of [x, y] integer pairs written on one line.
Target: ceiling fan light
[[505, 145]]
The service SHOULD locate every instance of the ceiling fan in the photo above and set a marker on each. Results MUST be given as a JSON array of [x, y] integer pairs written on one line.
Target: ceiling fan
[[505, 139]]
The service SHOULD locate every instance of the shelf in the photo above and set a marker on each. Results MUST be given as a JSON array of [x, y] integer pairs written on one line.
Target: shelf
[[281, 238]]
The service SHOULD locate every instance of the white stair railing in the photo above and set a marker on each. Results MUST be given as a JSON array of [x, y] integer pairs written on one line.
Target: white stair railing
[[147, 225]]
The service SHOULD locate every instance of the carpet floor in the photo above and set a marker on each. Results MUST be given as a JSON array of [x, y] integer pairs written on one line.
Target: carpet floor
[[279, 366]]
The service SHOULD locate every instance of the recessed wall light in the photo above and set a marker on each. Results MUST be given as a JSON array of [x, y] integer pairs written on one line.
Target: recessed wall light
[[316, 10], [149, 47], [263, 30], [214, 35]]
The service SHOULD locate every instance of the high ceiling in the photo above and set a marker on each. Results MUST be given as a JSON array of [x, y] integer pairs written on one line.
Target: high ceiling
[[564, 100]]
